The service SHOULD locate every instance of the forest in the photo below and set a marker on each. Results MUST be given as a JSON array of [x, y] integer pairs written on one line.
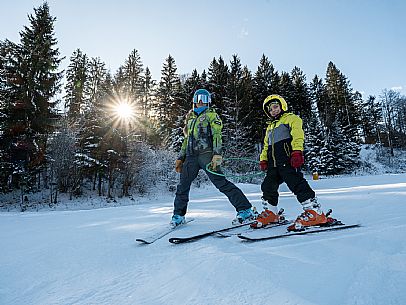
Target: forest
[[62, 130]]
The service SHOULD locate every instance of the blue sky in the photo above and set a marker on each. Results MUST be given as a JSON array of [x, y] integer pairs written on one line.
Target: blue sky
[[365, 39]]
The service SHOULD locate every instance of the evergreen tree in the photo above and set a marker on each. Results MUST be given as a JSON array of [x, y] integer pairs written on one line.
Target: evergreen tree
[[30, 98], [314, 135], [13, 119], [345, 114], [148, 88], [147, 119], [169, 102], [76, 78], [319, 94], [265, 83], [342, 99], [132, 78], [218, 79], [191, 84], [301, 95], [40, 63], [332, 154], [248, 110], [287, 91], [203, 79], [92, 155], [370, 120], [235, 131]]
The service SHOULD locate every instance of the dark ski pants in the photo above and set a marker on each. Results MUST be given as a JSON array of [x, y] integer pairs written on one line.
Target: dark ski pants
[[190, 170], [294, 180]]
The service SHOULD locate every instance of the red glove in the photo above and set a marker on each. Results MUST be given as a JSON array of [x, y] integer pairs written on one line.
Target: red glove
[[263, 165], [296, 158]]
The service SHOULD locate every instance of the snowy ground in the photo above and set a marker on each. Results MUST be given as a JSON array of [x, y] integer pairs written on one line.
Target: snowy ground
[[90, 256]]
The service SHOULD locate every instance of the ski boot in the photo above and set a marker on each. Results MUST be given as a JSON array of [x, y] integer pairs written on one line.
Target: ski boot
[[312, 216], [269, 215], [243, 216], [177, 220]]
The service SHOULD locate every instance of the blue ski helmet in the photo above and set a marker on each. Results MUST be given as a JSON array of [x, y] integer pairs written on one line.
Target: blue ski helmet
[[202, 95]]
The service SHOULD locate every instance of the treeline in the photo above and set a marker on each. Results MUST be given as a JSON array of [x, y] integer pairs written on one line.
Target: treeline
[[89, 143]]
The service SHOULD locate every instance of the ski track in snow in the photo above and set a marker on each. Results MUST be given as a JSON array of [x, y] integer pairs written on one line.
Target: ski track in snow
[[91, 257]]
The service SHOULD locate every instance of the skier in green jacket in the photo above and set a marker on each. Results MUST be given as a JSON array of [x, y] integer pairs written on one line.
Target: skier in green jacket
[[203, 145]]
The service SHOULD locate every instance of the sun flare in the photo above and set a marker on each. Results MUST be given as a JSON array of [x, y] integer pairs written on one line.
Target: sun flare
[[124, 111]]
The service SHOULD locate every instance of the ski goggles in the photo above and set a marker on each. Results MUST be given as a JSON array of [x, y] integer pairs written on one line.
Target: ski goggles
[[205, 99], [273, 102]]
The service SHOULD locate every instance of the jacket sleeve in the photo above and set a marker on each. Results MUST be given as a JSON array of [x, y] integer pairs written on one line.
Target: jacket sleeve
[[182, 153], [264, 153], [216, 126], [297, 133]]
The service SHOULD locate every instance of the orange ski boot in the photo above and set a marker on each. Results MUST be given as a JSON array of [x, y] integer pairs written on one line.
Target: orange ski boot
[[268, 216], [312, 216]]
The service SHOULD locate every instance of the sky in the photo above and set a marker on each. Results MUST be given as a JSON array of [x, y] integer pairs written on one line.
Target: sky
[[364, 39]]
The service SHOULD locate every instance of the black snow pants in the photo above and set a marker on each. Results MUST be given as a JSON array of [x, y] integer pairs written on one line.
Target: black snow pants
[[294, 180], [190, 170]]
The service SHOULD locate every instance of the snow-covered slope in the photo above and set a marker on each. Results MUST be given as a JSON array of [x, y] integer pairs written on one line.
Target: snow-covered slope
[[90, 257]]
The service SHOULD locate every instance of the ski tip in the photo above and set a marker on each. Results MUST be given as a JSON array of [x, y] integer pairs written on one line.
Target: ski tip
[[142, 241], [244, 237]]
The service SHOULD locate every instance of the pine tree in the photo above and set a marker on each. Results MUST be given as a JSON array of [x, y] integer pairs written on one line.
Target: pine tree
[[76, 78], [333, 152], [314, 135], [13, 120], [301, 96], [218, 78], [345, 114], [147, 93], [147, 120], [236, 130], [95, 126], [314, 142], [287, 91], [265, 83], [371, 118], [34, 81], [169, 102], [248, 110], [132, 78], [41, 60]]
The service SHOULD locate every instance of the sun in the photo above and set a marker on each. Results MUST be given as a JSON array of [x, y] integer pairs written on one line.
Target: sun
[[124, 111]]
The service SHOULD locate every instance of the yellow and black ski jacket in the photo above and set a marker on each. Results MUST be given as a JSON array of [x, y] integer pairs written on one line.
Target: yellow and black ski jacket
[[203, 134], [283, 135]]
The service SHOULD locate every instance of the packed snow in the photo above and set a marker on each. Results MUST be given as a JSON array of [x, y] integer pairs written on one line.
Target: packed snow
[[91, 256]]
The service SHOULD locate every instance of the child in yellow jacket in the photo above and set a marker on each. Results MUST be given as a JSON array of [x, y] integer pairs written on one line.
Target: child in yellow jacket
[[281, 158]]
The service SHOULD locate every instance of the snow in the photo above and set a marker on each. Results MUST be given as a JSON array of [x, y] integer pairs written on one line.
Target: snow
[[91, 257]]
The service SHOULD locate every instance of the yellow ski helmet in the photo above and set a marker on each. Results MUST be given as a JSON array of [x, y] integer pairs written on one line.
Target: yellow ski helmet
[[272, 99]]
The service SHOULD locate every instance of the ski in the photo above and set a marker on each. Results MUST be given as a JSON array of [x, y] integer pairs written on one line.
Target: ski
[[309, 230], [159, 234], [180, 240], [249, 230]]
